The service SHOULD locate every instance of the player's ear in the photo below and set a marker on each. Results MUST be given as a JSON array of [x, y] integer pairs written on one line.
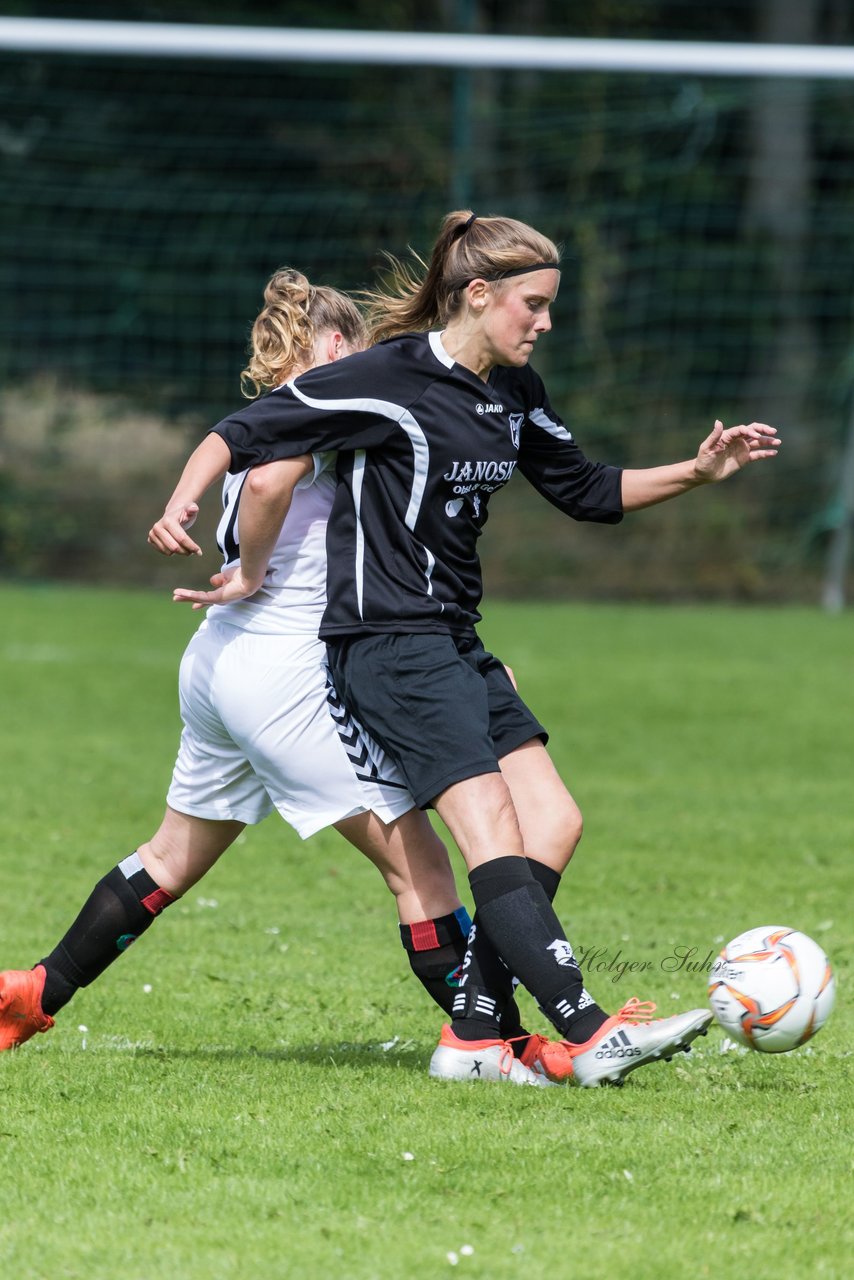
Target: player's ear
[[335, 345], [478, 294]]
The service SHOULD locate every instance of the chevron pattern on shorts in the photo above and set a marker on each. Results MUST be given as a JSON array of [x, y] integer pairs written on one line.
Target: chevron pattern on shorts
[[355, 740]]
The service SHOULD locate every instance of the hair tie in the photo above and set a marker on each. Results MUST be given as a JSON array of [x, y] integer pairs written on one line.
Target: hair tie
[[468, 223]]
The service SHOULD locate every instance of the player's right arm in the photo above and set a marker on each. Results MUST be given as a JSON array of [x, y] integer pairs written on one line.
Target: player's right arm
[[265, 499], [207, 464], [331, 407]]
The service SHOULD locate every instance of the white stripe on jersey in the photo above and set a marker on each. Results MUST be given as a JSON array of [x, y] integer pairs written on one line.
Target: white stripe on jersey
[[420, 468], [358, 479], [541, 419], [431, 560]]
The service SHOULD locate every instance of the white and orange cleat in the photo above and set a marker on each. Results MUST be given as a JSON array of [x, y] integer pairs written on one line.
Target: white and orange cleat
[[549, 1058], [21, 1013], [455, 1059], [631, 1039]]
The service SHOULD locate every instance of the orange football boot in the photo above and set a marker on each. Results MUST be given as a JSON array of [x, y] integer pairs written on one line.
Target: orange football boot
[[21, 1013]]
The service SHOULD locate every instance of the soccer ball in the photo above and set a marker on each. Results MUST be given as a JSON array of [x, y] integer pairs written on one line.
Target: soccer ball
[[771, 988]]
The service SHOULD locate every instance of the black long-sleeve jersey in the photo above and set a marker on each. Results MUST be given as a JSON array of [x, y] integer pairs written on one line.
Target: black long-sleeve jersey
[[423, 443]]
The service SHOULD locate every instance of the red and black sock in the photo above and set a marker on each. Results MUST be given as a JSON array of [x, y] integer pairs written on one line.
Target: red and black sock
[[436, 949], [120, 908]]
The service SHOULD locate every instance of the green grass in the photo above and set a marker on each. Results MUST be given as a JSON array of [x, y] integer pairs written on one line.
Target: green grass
[[252, 1076]]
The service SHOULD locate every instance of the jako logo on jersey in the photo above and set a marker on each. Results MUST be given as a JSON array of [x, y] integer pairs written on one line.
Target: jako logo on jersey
[[489, 408], [516, 420], [563, 952], [470, 470]]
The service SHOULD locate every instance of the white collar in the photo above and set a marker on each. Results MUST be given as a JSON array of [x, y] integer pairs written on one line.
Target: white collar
[[438, 349]]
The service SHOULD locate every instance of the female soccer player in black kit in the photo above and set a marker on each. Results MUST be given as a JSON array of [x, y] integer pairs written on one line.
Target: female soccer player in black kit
[[429, 423], [261, 729]]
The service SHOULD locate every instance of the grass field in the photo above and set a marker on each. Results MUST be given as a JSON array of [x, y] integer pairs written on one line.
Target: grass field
[[245, 1093]]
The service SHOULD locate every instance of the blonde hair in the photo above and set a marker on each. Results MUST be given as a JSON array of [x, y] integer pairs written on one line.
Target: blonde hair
[[283, 335], [467, 248]]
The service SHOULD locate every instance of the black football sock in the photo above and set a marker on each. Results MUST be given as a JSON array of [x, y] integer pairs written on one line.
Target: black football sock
[[511, 1018], [481, 1005], [546, 876], [118, 910], [519, 919]]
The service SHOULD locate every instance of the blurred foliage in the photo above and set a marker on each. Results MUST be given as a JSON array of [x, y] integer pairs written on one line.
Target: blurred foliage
[[81, 475], [144, 202]]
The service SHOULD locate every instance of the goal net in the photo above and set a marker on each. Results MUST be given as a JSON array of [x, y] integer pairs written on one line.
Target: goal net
[[706, 219]]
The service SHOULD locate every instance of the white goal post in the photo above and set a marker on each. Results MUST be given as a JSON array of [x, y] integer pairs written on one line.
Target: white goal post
[[294, 44]]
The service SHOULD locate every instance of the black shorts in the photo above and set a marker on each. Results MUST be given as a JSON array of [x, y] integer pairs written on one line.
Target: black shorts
[[442, 707]]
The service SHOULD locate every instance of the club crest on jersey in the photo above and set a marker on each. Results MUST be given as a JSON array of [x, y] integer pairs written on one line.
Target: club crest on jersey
[[564, 954], [516, 420], [489, 408]]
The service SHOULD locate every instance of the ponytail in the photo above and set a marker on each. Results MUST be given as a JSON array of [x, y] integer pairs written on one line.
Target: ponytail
[[284, 331], [468, 247]]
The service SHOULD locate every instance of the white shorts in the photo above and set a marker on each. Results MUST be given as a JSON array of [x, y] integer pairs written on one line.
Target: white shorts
[[263, 728]]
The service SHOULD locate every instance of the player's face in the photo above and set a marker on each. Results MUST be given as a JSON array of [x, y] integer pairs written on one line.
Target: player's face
[[516, 314]]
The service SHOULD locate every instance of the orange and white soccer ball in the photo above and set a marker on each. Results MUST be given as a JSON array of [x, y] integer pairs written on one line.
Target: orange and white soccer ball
[[771, 988]]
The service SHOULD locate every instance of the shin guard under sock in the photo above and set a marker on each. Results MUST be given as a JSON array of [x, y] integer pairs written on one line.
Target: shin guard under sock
[[120, 907], [436, 949], [517, 916]]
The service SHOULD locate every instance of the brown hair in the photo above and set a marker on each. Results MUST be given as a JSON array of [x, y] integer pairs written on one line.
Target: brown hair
[[284, 331], [468, 247]]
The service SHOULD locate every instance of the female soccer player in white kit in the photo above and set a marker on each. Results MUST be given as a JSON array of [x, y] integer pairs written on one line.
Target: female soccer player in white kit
[[263, 728]]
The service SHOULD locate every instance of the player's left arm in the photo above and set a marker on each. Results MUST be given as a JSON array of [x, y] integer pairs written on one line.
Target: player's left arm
[[724, 452], [551, 460], [265, 500]]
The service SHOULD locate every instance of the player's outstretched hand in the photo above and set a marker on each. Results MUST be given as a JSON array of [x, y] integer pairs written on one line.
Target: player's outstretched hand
[[229, 587], [169, 535], [729, 449]]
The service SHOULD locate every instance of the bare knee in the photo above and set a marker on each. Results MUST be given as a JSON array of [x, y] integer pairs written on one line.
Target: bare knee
[[184, 848], [411, 859], [558, 836], [573, 830], [481, 816]]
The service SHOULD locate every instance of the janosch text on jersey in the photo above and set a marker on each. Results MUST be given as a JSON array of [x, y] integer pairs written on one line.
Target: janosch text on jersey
[[482, 472], [423, 444]]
